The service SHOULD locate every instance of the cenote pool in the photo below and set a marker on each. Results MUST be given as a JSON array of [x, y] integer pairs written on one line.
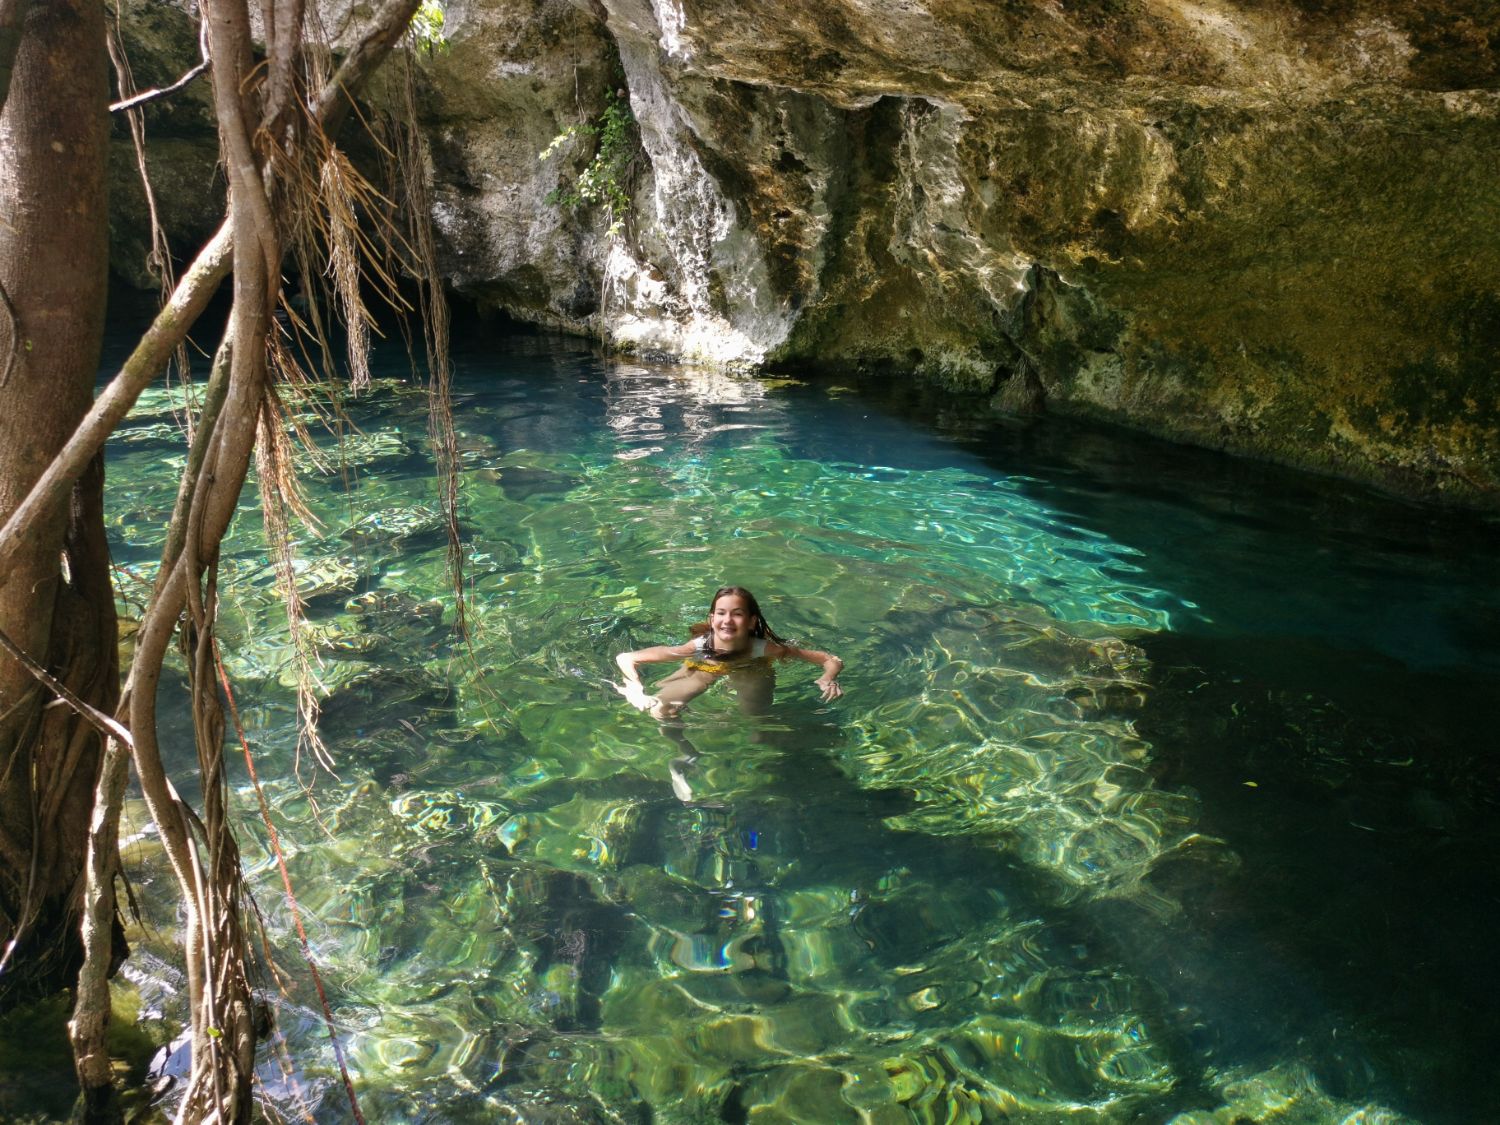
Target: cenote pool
[[1164, 787]]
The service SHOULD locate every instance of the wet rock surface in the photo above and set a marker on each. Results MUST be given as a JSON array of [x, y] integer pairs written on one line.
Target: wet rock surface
[[1268, 227]]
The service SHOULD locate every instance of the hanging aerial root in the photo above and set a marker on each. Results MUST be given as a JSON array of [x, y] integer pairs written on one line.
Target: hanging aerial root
[[279, 494], [331, 199], [344, 266], [276, 462], [412, 159]]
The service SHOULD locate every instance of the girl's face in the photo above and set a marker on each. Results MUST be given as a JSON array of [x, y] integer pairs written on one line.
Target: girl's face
[[731, 622]]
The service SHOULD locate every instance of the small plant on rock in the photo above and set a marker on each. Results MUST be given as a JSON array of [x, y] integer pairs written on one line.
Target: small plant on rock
[[426, 29], [607, 178]]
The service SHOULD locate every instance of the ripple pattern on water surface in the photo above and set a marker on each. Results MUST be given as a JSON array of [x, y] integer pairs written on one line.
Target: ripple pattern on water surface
[[527, 896]]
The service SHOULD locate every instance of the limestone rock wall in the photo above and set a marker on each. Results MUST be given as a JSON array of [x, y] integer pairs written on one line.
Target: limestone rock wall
[[1270, 226]]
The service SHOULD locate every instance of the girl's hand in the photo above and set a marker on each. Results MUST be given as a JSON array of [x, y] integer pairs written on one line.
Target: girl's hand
[[636, 695], [829, 687]]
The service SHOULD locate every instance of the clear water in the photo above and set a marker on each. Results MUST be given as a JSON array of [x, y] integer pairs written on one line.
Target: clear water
[[1163, 788]]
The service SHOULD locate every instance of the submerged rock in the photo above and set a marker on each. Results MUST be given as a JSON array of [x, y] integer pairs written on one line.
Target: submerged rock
[[367, 695], [398, 528]]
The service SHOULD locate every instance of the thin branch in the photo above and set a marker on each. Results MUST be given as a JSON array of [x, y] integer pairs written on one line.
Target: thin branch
[[105, 725], [156, 93]]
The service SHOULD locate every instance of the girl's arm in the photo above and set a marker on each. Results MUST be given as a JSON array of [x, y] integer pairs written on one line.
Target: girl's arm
[[632, 689], [828, 682], [659, 654]]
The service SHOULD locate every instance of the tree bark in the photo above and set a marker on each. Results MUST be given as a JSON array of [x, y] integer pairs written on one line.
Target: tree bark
[[11, 14], [56, 602]]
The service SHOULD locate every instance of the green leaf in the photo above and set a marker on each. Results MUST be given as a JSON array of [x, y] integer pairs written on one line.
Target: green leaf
[[604, 181]]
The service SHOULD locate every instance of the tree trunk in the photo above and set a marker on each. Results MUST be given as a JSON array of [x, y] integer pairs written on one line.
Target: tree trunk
[[56, 602]]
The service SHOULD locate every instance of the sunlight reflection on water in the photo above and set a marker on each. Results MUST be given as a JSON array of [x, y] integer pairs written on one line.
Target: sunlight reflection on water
[[868, 911]]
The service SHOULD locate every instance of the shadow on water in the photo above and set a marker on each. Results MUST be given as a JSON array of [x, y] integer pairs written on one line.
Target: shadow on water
[[1361, 798], [1329, 697]]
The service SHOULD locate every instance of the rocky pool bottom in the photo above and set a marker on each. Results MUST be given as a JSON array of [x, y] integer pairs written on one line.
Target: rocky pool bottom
[[1162, 789]]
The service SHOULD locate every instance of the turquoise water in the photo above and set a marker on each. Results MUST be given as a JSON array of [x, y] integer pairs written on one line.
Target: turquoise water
[[1162, 789]]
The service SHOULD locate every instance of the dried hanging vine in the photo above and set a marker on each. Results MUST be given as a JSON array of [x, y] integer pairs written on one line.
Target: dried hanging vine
[[412, 160], [159, 257]]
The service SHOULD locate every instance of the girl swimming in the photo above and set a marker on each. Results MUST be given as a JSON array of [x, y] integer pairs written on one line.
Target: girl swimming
[[734, 643]]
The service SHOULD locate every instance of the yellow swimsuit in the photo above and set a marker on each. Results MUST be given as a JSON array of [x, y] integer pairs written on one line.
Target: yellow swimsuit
[[712, 667], [718, 667]]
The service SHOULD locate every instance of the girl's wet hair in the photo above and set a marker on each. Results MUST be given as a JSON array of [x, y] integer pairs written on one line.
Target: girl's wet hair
[[761, 629]]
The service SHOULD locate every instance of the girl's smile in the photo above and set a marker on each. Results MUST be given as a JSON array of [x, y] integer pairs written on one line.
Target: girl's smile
[[731, 622]]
